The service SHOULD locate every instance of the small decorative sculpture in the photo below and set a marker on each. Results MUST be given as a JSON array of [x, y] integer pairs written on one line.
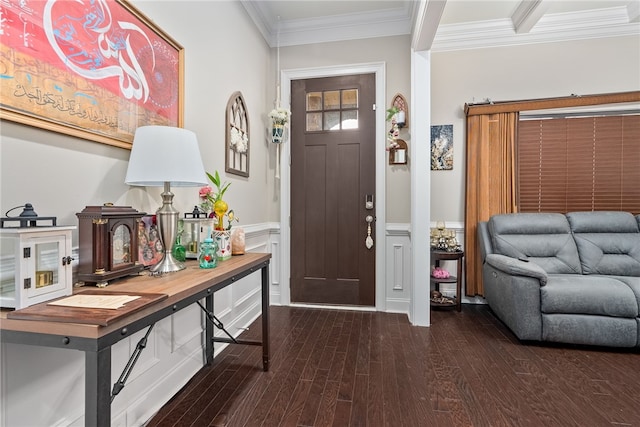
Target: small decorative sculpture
[[443, 239]]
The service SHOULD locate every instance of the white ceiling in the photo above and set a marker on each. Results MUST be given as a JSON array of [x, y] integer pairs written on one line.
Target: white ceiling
[[460, 24]]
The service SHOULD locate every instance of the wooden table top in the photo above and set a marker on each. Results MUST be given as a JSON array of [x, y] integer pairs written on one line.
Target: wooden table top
[[176, 286]]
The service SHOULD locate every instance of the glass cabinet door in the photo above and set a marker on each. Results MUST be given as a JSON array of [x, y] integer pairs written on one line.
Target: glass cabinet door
[[44, 265]]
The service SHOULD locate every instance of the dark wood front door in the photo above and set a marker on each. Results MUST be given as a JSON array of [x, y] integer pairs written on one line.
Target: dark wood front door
[[332, 178]]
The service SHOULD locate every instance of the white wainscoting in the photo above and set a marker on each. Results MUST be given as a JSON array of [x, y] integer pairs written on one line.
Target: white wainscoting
[[398, 272], [55, 377]]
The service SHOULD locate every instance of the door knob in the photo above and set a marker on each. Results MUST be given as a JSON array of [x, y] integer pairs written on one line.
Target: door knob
[[369, 240]]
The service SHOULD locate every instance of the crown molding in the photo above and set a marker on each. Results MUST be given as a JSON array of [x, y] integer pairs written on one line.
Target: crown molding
[[381, 23], [599, 23], [612, 22]]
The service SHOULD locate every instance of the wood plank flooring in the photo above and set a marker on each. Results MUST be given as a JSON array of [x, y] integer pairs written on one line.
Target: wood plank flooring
[[347, 368]]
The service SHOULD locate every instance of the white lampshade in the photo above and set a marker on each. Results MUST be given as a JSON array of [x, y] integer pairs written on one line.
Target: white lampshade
[[166, 156], [163, 154]]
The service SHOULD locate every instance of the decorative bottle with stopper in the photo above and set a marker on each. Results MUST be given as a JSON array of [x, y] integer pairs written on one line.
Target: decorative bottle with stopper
[[208, 249]]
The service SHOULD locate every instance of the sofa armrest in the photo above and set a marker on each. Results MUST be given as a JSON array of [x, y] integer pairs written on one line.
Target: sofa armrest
[[516, 267], [512, 290]]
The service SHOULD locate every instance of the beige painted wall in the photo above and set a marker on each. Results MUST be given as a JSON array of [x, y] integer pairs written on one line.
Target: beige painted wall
[[66, 174], [519, 72], [61, 175], [396, 53]]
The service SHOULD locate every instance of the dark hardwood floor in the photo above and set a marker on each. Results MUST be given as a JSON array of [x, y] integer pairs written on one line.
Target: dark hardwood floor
[[345, 368]]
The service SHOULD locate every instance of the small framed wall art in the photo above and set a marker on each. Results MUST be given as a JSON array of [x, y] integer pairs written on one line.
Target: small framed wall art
[[441, 147]]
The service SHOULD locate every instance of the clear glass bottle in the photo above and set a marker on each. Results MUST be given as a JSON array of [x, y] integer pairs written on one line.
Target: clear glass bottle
[[208, 257]]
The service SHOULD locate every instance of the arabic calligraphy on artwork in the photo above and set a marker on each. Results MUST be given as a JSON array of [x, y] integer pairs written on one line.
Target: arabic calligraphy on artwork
[[89, 64]]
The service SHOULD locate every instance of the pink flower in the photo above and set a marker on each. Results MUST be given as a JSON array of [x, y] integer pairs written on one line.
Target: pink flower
[[440, 273], [206, 192]]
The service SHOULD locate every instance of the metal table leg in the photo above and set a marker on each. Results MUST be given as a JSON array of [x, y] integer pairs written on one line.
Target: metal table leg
[[97, 406]]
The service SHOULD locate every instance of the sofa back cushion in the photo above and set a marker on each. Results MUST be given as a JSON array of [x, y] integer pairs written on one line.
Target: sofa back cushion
[[608, 242], [542, 238]]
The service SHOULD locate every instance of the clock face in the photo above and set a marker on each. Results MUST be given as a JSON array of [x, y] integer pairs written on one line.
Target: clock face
[[121, 246]]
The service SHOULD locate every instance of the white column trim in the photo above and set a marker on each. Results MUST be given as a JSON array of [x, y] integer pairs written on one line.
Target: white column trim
[[419, 312]]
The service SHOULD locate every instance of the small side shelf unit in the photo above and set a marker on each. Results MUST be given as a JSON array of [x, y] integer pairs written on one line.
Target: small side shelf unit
[[436, 257]]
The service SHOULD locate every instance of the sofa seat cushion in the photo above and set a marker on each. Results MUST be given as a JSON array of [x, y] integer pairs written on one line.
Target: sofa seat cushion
[[541, 238], [590, 330], [593, 295], [608, 242], [634, 285]]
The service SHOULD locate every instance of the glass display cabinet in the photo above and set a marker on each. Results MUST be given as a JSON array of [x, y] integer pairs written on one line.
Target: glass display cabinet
[[42, 265]]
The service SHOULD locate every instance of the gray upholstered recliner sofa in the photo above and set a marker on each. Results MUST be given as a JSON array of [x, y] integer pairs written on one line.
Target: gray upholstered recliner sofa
[[571, 278]]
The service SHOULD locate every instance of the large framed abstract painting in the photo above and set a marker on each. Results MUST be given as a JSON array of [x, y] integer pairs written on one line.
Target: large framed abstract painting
[[441, 147], [94, 69]]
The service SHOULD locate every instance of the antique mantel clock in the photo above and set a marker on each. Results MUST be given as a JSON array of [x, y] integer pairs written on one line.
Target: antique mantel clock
[[108, 240]]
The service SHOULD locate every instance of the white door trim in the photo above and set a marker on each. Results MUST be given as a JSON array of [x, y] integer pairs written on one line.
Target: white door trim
[[286, 77]]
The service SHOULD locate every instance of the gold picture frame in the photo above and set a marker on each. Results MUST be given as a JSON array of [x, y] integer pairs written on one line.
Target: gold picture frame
[[94, 71]]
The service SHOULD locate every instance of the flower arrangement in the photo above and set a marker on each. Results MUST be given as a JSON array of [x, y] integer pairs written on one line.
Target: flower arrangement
[[239, 141], [280, 116], [394, 132], [211, 200]]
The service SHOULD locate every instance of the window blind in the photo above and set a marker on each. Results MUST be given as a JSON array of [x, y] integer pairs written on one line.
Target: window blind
[[579, 164]]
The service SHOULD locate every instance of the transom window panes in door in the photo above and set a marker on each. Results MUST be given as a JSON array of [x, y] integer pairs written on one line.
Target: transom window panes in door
[[332, 110]]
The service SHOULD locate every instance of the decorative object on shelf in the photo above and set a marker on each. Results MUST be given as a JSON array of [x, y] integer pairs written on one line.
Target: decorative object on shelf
[[443, 239], [208, 257], [440, 273], [196, 213], [223, 241], [237, 241], [150, 249], [27, 218], [396, 147], [216, 202], [439, 300], [398, 154], [195, 231], [42, 265], [108, 246], [179, 251], [441, 147], [237, 136], [99, 83], [399, 104], [165, 156]]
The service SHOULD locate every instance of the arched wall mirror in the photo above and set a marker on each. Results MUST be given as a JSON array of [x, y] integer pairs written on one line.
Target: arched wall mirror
[[237, 136]]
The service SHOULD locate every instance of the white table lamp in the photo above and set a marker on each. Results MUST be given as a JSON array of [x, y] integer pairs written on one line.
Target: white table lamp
[[166, 156]]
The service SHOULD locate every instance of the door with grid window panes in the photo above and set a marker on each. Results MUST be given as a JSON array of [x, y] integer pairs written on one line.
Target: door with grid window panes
[[332, 178]]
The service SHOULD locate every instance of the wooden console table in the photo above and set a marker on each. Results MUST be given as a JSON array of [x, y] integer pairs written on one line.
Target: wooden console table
[[182, 289]]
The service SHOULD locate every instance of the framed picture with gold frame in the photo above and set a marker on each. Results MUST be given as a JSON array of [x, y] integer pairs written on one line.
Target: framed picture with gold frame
[[94, 70]]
